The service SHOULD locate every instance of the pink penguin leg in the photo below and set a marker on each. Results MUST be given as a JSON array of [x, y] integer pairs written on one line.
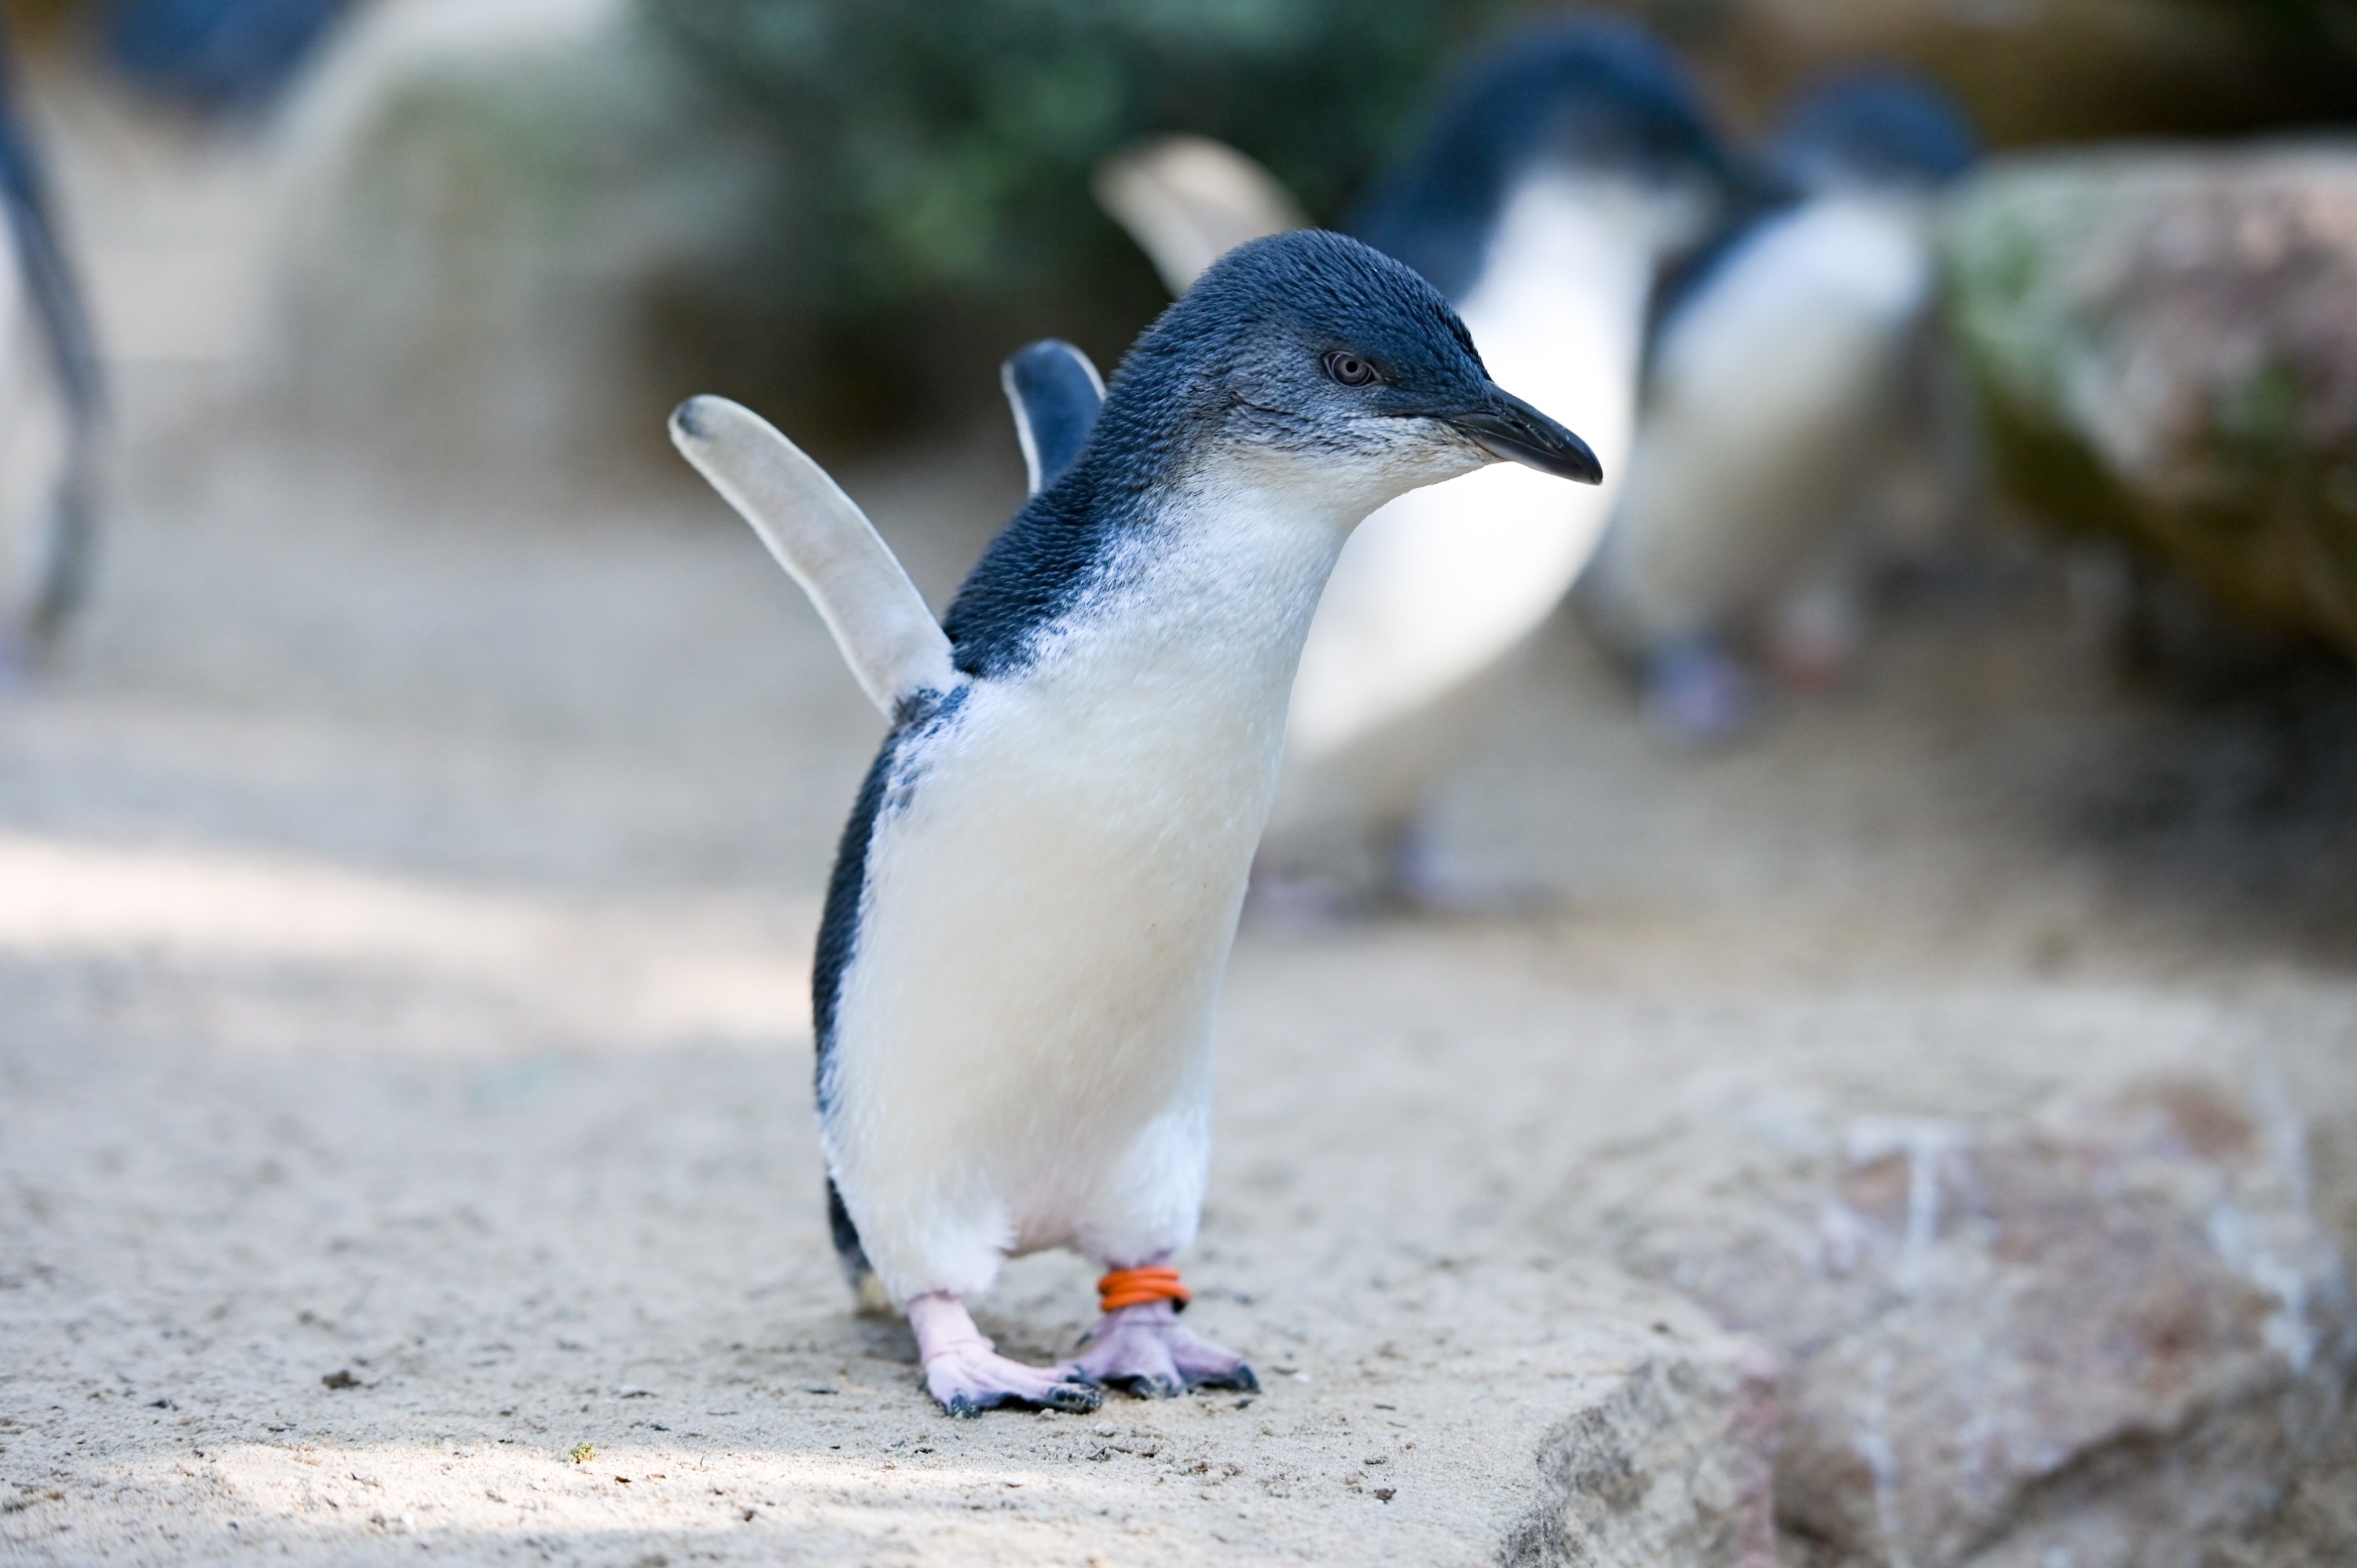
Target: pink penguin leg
[[966, 1374], [1142, 1350]]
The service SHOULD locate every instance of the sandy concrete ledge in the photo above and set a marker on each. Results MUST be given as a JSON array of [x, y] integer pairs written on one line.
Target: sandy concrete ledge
[[401, 923], [338, 1304]]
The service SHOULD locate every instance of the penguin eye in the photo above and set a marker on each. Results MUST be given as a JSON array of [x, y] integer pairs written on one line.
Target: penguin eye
[[1350, 370]]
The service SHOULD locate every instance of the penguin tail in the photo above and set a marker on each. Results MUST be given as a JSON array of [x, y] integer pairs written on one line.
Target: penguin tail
[[856, 1272]]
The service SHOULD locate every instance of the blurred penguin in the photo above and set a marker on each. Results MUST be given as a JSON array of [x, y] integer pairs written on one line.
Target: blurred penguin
[[1566, 167], [49, 404], [1189, 200], [227, 57], [1785, 358]]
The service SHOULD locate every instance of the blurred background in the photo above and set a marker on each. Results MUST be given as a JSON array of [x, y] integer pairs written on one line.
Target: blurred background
[[412, 780], [853, 209]]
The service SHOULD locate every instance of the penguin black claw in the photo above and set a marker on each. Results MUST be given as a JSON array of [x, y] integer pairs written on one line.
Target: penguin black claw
[[1149, 1388], [1072, 1398], [965, 1374], [1240, 1378]]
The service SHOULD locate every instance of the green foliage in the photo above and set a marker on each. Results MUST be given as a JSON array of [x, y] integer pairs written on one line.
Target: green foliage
[[938, 152]]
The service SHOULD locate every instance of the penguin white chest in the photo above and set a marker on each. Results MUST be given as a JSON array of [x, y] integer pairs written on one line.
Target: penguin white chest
[[1021, 1052]]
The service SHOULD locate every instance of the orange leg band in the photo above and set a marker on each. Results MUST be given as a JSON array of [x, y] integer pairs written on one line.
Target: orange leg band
[[1136, 1287]]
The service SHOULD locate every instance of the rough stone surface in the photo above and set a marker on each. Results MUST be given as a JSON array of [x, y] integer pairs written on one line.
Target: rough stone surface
[[2101, 1331], [2166, 346]]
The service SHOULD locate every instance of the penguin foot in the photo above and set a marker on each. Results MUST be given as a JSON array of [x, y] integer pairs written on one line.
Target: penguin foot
[[967, 1376], [1426, 880], [1142, 1351], [973, 1379], [1699, 694]]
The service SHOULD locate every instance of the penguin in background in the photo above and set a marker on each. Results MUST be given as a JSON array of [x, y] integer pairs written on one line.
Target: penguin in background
[[48, 403], [1787, 362], [1025, 932], [1566, 167], [1189, 200]]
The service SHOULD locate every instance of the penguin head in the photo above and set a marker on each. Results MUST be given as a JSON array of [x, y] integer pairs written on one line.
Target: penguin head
[[1594, 97], [1312, 352], [1880, 129]]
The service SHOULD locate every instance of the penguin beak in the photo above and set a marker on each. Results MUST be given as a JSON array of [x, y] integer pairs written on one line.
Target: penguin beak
[[1507, 427]]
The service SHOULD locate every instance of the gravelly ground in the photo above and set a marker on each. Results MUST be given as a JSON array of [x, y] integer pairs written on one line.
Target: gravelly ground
[[401, 923]]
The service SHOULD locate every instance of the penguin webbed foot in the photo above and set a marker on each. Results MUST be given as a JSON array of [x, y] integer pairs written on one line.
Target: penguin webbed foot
[[965, 1374], [1142, 1351], [1696, 693], [967, 1382]]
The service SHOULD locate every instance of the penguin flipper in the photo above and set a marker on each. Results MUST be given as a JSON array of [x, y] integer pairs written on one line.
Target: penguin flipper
[[1189, 200], [895, 647], [1055, 392]]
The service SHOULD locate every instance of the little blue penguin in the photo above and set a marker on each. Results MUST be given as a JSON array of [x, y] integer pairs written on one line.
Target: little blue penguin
[[1025, 932], [1782, 358], [1567, 166], [1570, 165], [1189, 200], [48, 403]]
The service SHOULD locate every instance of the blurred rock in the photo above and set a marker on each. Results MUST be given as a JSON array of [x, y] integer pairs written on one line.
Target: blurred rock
[[2033, 71], [485, 210], [2165, 344], [1667, 1463], [2098, 1336]]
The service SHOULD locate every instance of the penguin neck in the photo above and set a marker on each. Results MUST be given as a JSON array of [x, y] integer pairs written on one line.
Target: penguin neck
[[1177, 658], [1228, 567], [1909, 213], [1190, 538], [1558, 308]]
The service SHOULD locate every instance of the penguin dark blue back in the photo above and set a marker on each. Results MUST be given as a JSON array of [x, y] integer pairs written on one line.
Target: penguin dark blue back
[[230, 56], [1591, 92], [1782, 360], [1873, 127], [1865, 130]]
